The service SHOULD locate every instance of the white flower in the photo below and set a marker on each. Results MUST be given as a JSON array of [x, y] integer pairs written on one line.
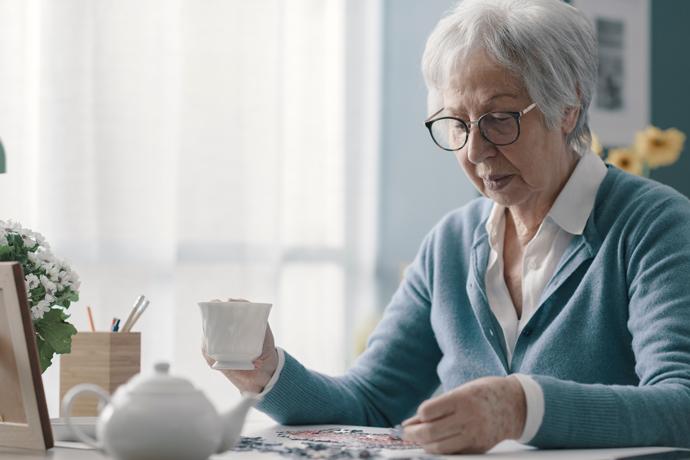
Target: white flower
[[38, 310], [47, 258], [62, 280], [68, 279], [27, 236], [32, 281], [34, 259], [52, 272], [40, 239], [11, 226], [44, 259], [49, 285], [3, 239]]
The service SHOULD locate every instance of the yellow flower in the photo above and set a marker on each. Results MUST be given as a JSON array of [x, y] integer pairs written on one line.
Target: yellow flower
[[596, 145], [657, 147], [627, 160]]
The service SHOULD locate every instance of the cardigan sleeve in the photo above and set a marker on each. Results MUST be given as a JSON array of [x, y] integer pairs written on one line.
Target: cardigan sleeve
[[655, 266], [393, 376]]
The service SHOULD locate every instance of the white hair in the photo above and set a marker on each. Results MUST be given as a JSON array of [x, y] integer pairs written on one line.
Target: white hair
[[549, 44]]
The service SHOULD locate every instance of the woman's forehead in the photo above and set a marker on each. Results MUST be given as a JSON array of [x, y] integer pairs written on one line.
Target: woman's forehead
[[464, 98], [482, 80]]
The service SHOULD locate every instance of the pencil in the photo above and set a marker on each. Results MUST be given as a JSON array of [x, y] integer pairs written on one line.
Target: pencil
[[113, 324], [90, 318]]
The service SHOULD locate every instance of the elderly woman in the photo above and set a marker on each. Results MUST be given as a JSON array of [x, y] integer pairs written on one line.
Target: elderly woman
[[555, 309]]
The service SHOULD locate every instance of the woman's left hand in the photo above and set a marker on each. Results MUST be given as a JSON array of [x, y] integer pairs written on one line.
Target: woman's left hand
[[471, 418]]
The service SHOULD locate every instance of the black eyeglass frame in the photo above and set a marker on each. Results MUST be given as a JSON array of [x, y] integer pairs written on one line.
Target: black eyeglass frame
[[516, 115]]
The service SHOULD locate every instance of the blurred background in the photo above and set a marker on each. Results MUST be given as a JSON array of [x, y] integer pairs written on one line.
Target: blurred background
[[271, 150]]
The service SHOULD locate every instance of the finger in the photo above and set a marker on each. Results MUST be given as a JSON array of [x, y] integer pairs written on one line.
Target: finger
[[411, 421], [210, 361], [257, 363], [435, 408], [435, 431], [237, 300], [453, 445]]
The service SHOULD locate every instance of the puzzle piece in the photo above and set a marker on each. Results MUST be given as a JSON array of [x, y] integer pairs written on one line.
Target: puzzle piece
[[332, 444]]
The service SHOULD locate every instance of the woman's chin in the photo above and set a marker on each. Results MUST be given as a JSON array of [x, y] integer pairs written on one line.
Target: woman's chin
[[506, 196]]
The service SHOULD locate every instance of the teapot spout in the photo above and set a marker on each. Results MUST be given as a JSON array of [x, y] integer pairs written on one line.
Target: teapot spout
[[234, 419]]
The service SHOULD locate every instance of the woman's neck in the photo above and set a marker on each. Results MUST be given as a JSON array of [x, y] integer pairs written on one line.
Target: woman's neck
[[526, 218]]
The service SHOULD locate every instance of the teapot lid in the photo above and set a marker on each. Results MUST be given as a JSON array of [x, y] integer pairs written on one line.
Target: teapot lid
[[159, 382]]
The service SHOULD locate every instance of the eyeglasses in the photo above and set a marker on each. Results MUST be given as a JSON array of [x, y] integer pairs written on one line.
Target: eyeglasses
[[499, 128]]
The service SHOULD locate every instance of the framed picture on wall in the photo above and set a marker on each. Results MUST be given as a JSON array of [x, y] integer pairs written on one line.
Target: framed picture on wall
[[24, 420], [620, 105]]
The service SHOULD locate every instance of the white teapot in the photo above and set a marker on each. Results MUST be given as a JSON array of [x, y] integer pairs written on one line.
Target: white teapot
[[159, 417]]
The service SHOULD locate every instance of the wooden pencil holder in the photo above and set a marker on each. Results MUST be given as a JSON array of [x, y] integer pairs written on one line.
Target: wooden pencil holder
[[107, 359]]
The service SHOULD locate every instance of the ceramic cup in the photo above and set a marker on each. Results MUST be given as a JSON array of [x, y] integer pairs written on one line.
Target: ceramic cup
[[234, 332]]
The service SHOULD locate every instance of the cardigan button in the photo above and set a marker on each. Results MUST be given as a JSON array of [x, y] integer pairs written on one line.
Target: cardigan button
[[527, 331]]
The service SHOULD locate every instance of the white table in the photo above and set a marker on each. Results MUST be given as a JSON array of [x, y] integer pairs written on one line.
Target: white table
[[506, 450]]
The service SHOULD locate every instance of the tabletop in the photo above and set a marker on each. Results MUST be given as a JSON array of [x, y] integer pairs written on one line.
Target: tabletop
[[272, 434]]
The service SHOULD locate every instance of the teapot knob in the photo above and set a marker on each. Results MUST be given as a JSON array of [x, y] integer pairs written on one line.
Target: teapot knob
[[161, 368]]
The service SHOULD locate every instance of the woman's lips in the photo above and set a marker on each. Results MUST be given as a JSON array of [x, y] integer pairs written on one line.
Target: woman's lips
[[498, 182]]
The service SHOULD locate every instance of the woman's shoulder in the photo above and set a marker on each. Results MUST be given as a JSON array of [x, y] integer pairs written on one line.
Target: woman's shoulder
[[621, 190], [625, 198], [461, 224]]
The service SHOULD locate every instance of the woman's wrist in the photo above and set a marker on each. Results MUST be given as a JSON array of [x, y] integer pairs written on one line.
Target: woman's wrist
[[518, 414]]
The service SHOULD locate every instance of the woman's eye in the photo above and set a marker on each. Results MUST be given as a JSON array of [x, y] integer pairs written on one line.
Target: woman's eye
[[500, 117]]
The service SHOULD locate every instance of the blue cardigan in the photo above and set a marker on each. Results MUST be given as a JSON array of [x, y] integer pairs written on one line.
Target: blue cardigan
[[609, 343]]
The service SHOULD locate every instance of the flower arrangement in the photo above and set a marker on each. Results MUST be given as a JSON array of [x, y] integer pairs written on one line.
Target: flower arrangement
[[652, 148], [51, 286]]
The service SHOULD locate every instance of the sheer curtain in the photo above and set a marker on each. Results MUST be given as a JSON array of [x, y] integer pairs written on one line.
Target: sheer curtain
[[190, 150]]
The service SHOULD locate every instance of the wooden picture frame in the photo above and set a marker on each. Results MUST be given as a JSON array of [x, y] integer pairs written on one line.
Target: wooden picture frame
[[23, 409], [621, 101]]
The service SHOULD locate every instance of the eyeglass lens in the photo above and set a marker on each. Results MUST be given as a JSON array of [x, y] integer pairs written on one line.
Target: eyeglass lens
[[499, 128]]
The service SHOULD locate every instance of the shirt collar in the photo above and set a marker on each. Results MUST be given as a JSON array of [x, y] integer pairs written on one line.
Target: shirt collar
[[575, 202]]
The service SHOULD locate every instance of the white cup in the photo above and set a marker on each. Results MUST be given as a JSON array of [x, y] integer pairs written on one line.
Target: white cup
[[234, 332]]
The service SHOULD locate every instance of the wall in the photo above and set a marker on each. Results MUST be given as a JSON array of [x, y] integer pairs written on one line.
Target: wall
[[670, 92], [420, 183]]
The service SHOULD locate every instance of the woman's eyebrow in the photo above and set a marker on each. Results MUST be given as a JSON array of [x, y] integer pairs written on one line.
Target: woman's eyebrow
[[500, 95], [454, 111]]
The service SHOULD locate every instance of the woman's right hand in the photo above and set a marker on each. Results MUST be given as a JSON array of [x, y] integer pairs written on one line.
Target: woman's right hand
[[255, 380]]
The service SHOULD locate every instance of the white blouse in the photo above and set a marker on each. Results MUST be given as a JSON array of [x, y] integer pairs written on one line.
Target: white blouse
[[566, 218]]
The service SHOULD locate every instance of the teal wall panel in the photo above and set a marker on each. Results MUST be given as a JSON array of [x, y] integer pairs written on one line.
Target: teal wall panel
[[670, 80]]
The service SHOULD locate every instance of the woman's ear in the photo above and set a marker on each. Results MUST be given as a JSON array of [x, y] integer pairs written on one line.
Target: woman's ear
[[570, 119], [570, 116]]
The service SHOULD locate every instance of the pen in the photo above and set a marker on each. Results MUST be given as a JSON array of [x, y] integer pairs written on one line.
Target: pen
[[129, 323], [136, 317], [90, 318], [112, 325], [116, 326]]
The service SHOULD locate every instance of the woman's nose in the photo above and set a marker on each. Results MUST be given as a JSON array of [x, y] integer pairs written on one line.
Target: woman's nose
[[478, 148]]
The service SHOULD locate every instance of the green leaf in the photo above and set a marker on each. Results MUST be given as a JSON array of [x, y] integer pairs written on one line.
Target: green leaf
[[45, 353], [55, 336], [6, 253], [17, 241]]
